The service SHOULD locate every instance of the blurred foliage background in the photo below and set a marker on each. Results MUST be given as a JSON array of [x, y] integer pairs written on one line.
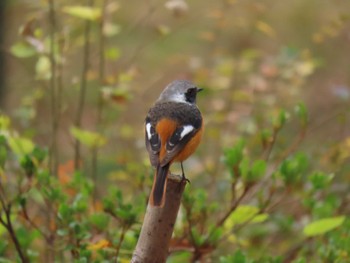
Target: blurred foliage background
[[269, 183]]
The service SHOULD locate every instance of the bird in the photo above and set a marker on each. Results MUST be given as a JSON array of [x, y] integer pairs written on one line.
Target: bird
[[173, 131]]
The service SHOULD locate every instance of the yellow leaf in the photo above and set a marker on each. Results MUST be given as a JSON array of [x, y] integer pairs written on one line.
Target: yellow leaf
[[4, 122], [232, 238], [84, 12], [103, 243], [110, 29], [43, 68], [163, 30], [305, 68], [20, 145], [88, 138], [266, 29]]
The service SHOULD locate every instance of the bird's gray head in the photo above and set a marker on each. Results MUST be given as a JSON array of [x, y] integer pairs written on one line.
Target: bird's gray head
[[180, 91]]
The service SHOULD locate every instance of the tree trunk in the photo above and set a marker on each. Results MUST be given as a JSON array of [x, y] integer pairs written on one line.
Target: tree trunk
[[158, 225]]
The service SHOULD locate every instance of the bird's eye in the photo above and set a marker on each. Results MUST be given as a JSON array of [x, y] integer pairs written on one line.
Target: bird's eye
[[192, 91], [191, 95]]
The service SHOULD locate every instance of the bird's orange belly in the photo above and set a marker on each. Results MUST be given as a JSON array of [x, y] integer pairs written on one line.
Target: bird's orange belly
[[190, 147], [165, 128]]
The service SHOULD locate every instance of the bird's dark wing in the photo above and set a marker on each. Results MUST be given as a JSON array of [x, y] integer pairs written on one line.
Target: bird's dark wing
[[153, 142], [181, 136]]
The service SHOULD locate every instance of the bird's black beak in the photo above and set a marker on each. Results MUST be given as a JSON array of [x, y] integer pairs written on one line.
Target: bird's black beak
[[199, 89]]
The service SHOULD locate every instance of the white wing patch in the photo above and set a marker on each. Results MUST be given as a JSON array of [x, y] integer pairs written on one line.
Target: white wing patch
[[186, 130], [148, 130]]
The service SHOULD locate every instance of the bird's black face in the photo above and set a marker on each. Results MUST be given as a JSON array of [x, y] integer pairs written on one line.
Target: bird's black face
[[191, 94]]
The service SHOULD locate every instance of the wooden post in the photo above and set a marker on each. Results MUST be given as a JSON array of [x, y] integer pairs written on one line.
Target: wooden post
[[158, 225]]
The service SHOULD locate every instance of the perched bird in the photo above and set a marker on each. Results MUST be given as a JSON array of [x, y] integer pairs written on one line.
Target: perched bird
[[173, 130]]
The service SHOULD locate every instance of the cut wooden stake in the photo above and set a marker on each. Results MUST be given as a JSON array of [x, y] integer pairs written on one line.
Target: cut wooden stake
[[158, 225]]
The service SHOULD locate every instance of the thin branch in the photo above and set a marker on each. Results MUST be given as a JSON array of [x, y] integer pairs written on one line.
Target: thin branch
[[121, 239], [33, 224], [188, 210], [101, 76], [233, 207], [268, 151], [83, 85], [292, 148], [291, 254], [53, 96], [7, 223], [111, 213]]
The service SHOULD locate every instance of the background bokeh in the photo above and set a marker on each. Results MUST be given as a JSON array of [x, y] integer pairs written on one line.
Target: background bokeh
[[275, 74]]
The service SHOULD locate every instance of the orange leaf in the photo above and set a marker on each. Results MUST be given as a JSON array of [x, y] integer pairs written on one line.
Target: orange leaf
[[65, 172]]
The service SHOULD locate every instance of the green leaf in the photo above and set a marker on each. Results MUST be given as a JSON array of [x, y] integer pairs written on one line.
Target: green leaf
[[198, 238], [20, 145], [112, 53], [216, 234], [322, 226], [244, 167], [265, 136], [28, 165], [320, 180], [65, 212], [100, 220], [237, 257], [258, 169], [260, 218], [23, 50], [234, 155], [84, 12], [301, 111], [88, 138], [163, 30], [39, 154], [280, 119], [201, 196], [292, 168], [4, 122], [242, 214], [43, 68]]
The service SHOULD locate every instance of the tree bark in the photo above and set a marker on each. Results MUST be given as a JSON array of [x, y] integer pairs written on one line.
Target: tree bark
[[158, 225]]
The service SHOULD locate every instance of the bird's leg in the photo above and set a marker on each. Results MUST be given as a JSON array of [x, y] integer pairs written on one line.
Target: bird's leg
[[183, 175]]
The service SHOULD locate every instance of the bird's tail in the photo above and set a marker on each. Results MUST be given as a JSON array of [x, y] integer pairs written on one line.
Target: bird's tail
[[157, 197]]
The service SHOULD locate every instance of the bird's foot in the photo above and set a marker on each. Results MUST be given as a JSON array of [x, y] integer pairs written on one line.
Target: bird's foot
[[184, 179]]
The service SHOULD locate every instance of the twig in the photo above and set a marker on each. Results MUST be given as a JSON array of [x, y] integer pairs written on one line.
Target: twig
[[294, 145], [83, 84], [7, 223], [188, 210], [293, 251], [101, 76], [111, 213], [121, 239], [233, 207], [14, 238], [271, 145], [33, 224], [53, 96]]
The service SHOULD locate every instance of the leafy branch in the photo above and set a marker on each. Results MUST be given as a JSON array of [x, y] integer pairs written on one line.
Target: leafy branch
[[7, 223]]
